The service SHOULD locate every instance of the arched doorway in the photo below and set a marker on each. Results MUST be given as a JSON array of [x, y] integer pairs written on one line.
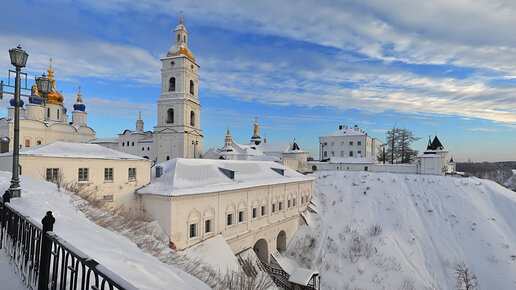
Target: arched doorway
[[262, 250], [281, 242]]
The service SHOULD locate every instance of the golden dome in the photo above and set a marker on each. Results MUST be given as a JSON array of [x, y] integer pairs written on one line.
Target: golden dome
[[183, 50], [54, 97], [139, 121]]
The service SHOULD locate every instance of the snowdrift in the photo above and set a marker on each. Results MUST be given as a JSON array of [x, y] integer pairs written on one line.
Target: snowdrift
[[395, 231]]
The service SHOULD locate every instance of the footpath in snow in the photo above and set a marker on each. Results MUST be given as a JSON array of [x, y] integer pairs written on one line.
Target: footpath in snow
[[397, 231]]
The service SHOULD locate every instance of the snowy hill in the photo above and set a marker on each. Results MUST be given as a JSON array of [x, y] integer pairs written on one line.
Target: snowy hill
[[110, 249], [389, 231]]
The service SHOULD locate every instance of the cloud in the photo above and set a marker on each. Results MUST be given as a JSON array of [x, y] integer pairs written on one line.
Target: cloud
[[483, 129]]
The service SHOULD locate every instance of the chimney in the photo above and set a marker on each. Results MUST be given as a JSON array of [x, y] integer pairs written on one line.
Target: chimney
[[355, 128], [340, 127]]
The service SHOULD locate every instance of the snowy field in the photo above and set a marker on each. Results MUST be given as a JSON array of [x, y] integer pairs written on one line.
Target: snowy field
[[112, 250], [388, 231]]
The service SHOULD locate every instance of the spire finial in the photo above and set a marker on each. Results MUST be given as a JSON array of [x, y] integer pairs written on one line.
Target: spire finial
[[228, 131], [51, 59], [50, 70], [181, 16], [139, 115], [79, 95], [435, 133]]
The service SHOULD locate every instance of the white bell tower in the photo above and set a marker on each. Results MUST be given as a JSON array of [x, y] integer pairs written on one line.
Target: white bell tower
[[178, 132]]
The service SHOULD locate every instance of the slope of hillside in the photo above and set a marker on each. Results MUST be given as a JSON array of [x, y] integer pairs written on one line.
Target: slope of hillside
[[389, 231]]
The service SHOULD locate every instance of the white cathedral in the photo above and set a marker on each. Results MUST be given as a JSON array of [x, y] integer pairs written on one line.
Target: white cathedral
[[177, 133]]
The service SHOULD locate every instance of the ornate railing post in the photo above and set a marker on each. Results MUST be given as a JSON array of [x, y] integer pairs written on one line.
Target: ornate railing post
[[46, 247]]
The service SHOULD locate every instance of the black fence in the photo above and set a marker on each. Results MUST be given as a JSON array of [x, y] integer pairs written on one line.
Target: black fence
[[46, 261]]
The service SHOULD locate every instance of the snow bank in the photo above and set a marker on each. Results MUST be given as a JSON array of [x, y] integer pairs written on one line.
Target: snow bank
[[382, 230], [112, 250]]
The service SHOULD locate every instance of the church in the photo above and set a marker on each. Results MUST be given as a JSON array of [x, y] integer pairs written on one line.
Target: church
[[177, 133], [44, 121]]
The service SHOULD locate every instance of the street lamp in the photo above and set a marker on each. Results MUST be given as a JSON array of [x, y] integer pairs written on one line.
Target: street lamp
[[44, 85], [18, 59], [194, 143]]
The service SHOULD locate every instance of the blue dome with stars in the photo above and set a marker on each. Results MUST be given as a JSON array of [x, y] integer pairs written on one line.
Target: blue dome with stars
[[79, 107], [11, 102]]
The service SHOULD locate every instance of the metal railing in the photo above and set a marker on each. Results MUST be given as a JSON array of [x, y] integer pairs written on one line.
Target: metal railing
[[46, 261]]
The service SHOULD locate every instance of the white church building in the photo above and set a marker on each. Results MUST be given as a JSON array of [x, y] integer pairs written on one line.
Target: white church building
[[44, 122], [177, 133]]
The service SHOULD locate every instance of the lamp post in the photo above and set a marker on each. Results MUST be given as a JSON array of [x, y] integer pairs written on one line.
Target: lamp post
[[44, 85], [18, 59], [194, 143]]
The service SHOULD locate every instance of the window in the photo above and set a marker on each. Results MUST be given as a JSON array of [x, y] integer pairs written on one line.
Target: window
[[192, 118], [325, 153], [168, 157], [350, 153], [132, 144], [148, 148], [359, 152], [48, 113], [192, 87], [132, 174], [178, 37], [108, 198], [52, 174], [366, 168], [263, 210], [27, 143], [280, 206], [294, 202], [159, 171], [58, 114], [240, 216], [350, 143], [230, 219], [273, 208], [359, 143], [255, 213], [302, 199], [123, 144], [172, 84], [83, 174], [170, 115], [108, 174], [288, 203], [38, 142], [207, 226], [184, 38], [143, 149], [193, 231]]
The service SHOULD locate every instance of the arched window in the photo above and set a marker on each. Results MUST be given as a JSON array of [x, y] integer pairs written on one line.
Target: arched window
[[27, 143], [170, 115], [38, 142], [58, 114], [133, 144], [48, 112], [172, 84], [123, 144], [168, 157], [184, 38], [192, 87], [178, 37], [192, 118]]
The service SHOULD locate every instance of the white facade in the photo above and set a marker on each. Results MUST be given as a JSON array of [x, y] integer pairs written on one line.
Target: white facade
[[86, 165], [349, 142], [177, 133], [244, 201]]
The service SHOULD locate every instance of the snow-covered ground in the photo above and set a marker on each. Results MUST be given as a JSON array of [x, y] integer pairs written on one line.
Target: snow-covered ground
[[396, 231], [112, 250], [9, 279]]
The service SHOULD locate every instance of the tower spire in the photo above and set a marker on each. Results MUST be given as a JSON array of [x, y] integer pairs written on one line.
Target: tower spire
[[181, 16]]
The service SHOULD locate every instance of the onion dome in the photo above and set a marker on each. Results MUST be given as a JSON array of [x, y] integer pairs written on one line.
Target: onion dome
[[180, 45], [34, 97], [11, 102], [139, 121], [54, 97], [79, 106], [256, 138]]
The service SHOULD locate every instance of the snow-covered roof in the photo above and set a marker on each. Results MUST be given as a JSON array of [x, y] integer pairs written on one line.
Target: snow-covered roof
[[430, 156], [302, 276], [345, 132], [74, 150], [274, 147], [198, 176], [103, 140], [351, 160]]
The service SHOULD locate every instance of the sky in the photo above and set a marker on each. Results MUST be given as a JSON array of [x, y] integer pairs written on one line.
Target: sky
[[303, 67]]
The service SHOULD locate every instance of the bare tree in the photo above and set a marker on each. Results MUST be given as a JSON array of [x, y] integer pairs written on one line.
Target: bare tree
[[466, 280], [397, 146]]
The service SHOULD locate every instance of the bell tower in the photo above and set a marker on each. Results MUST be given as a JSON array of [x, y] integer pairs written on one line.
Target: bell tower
[[178, 132]]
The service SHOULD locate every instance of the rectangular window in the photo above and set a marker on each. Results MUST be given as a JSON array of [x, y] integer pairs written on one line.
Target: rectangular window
[[240, 216], [193, 230], [302, 199], [325, 153], [280, 206], [273, 208], [207, 226], [359, 143], [288, 203], [108, 174], [263, 210], [294, 202], [350, 142], [350, 153], [83, 174], [132, 174], [230, 219], [52, 174], [255, 212]]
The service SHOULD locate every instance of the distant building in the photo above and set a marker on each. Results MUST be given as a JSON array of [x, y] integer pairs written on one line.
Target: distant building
[[435, 159], [44, 122], [177, 133], [349, 143], [112, 174], [253, 204], [288, 154]]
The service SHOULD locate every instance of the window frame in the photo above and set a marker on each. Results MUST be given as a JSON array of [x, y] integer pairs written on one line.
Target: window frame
[[129, 177], [83, 174], [195, 232], [229, 220], [109, 172]]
